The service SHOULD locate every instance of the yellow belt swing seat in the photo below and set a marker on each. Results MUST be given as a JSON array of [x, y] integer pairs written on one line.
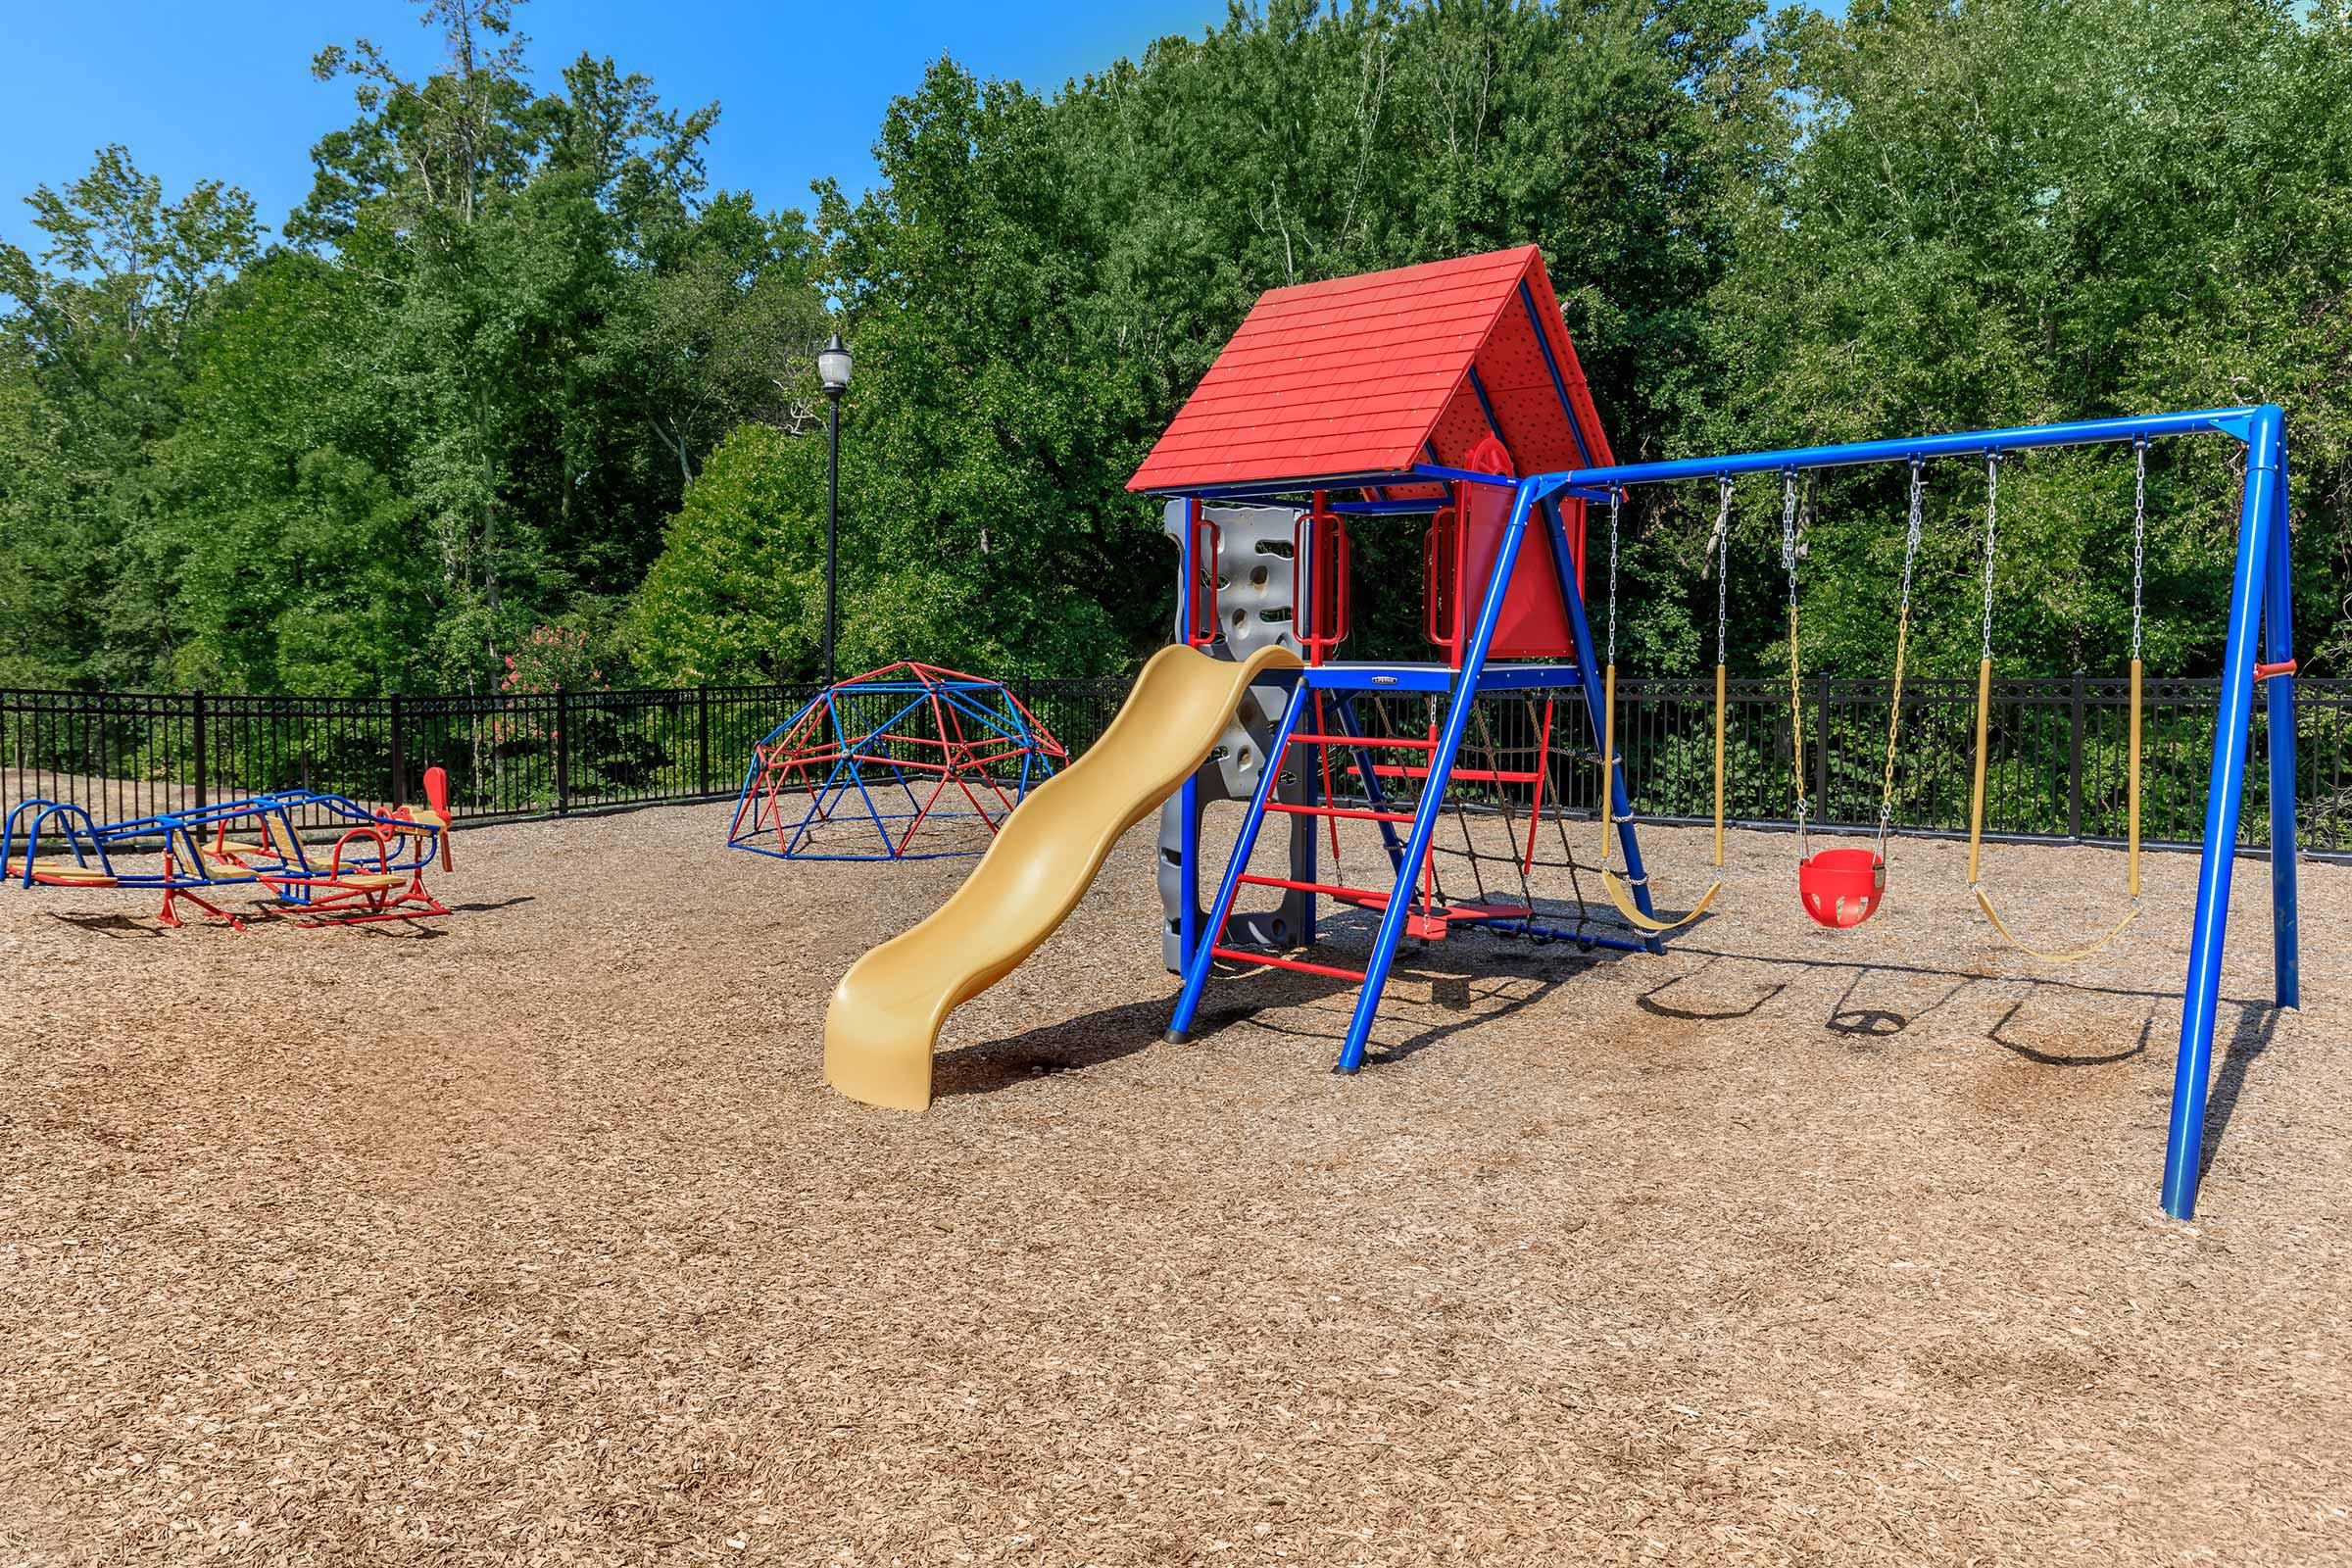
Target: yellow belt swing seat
[[1621, 890], [1976, 803]]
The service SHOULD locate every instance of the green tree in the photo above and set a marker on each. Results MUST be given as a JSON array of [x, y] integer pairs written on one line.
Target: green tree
[[94, 355], [2005, 212], [737, 594], [560, 326]]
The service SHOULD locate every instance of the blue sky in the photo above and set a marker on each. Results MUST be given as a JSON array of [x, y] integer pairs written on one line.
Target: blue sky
[[224, 90]]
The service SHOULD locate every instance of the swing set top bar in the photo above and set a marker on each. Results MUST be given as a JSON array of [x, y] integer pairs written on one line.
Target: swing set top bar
[[1595, 484], [2236, 422]]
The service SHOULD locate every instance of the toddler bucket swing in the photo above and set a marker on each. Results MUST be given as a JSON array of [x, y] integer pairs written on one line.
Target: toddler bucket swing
[[1841, 888], [1976, 800], [1621, 890]]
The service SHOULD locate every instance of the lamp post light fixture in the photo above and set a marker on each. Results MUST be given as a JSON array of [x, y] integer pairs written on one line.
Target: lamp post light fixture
[[833, 370]]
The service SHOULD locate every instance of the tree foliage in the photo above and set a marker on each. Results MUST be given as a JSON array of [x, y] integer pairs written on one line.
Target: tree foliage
[[515, 365], [507, 328]]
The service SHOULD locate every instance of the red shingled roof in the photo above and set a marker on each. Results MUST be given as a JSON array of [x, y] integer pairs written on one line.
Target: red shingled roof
[[1361, 376]]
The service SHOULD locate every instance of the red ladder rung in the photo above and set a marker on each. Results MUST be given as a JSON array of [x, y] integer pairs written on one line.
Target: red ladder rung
[[1331, 889], [1363, 740], [1472, 775], [1339, 810]]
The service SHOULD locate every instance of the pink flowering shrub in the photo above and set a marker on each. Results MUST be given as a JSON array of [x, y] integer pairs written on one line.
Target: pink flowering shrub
[[550, 660]]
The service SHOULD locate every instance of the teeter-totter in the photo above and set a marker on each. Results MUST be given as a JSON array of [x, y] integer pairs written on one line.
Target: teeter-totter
[[372, 870]]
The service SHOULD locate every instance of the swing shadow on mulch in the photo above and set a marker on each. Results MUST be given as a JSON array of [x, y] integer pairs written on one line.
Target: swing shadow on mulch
[[2256, 1027]]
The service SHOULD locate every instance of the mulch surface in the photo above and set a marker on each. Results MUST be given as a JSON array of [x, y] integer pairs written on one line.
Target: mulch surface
[[529, 1235]]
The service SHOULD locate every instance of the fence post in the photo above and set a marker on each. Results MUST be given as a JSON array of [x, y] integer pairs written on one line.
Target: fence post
[[702, 740], [203, 750], [2073, 764], [1821, 742], [562, 751], [399, 755]]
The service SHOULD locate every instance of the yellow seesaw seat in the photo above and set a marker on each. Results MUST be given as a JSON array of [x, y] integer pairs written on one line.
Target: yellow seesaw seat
[[887, 1011]]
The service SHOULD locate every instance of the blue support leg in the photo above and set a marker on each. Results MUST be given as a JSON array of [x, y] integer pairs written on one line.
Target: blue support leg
[[2279, 711], [1196, 974], [1188, 914], [1629, 843], [2193, 1069], [1188, 873], [1433, 788]]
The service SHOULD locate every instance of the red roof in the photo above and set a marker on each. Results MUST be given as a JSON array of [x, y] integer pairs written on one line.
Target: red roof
[[1361, 376]]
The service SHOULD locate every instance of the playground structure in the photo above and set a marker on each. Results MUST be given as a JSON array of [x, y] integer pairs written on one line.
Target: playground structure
[[373, 871], [937, 745], [1450, 392]]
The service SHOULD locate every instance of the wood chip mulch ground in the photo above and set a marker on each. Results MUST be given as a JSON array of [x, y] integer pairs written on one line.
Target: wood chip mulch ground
[[529, 1235]]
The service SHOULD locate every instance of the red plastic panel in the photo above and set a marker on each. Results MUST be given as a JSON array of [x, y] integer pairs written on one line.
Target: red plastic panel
[[1534, 619]]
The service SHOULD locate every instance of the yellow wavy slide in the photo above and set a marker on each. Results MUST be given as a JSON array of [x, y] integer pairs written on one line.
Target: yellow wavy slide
[[887, 1011]]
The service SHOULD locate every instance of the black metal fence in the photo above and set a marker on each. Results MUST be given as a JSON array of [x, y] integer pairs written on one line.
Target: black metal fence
[[2058, 768]]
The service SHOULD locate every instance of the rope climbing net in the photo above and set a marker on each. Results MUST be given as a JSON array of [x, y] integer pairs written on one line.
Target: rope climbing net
[[1505, 859]]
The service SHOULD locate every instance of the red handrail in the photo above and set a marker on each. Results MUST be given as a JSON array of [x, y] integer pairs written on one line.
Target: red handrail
[[1203, 625], [1440, 552], [1319, 591]]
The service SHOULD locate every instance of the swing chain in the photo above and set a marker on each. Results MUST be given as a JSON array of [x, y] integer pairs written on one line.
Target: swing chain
[[1723, 562], [1788, 529], [1992, 485], [1796, 706], [1902, 637], [2140, 533], [1616, 500]]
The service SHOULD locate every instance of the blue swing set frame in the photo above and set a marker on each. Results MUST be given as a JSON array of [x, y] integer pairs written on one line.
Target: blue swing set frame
[[2260, 617]]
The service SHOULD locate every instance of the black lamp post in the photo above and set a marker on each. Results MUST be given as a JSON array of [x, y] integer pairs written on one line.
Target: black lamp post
[[833, 370]]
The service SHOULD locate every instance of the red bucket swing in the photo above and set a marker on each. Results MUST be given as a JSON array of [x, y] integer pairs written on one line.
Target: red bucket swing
[[1841, 888]]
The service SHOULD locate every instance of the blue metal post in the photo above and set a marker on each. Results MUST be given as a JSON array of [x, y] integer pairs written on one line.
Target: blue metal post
[[1441, 767], [1188, 872], [1197, 968], [1589, 676], [1187, 834], [2278, 708], [2184, 1145]]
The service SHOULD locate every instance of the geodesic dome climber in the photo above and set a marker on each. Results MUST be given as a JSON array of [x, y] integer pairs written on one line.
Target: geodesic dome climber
[[870, 761]]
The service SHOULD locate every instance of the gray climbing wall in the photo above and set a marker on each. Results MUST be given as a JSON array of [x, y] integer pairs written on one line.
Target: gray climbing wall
[[1253, 608]]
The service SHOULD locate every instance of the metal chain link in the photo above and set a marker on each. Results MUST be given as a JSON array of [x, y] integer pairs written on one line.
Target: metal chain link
[[1902, 639], [2140, 534], [1789, 530], [1796, 706], [1722, 564], [1993, 486], [1616, 500]]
